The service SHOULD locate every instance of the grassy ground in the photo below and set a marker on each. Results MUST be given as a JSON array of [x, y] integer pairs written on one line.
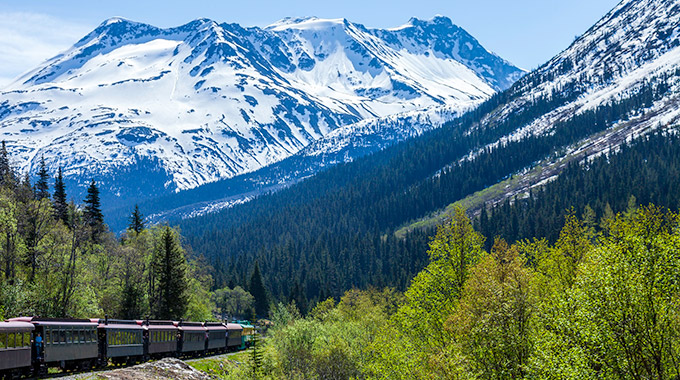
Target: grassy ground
[[219, 366]]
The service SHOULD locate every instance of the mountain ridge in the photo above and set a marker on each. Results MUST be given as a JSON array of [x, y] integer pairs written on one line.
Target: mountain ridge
[[603, 90], [205, 101]]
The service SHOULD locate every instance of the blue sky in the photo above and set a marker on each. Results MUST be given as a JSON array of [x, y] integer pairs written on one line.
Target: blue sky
[[525, 32]]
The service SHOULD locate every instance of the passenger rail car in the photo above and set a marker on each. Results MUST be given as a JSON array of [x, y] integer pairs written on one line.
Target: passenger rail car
[[29, 346], [234, 331], [217, 337], [161, 338], [120, 341], [70, 344], [15, 349], [192, 338]]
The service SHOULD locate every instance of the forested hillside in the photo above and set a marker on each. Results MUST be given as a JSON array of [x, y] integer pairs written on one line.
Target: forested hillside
[[590, 306], [58, 259], [335, 230], [643, 171]]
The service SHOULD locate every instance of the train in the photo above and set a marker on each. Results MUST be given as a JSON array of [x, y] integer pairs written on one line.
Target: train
[[29, 346]]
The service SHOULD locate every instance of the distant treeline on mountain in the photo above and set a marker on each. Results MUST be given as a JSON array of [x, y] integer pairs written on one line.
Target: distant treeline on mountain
[[335, 231], [642, 172]]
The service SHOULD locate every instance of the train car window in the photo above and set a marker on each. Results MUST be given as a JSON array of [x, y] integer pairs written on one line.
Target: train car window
[[3, 340], [27, 339], [48, 336], [62, 336], [10, 340]]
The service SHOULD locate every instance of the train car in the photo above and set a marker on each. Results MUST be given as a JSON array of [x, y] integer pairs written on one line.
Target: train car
[[234, 331], [15, 349], [69, 344], [192, 338], [217, 336], [247, 334], [120, 341], [161, 338]]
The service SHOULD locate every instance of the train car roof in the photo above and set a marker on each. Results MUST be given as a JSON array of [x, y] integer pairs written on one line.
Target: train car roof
[[191, 326], [16, 326], [119, 326], [55, 321], [153, 322], [234, 326], [160, 327], [215, 326]]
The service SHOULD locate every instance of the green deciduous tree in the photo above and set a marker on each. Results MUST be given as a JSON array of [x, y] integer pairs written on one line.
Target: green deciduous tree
[[234, 303], [493, 322]]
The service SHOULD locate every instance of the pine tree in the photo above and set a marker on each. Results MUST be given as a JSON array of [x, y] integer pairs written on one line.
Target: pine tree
[[42, 187], [93, 212], [131, 306], [136, 221], [298, 296], [258, 291], [60, 203], [7, 177], [24, 190], [169, 269]]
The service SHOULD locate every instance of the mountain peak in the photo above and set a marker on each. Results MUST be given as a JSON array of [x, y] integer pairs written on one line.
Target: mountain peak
[[306, 23], [417, 22]]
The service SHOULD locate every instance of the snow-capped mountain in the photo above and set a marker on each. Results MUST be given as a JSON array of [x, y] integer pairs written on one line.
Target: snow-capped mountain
[[145, 110], [636, 45], [342, 145], [627, 64]]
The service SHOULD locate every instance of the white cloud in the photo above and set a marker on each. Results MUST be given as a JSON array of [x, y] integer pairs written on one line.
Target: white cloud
[[28, 39]]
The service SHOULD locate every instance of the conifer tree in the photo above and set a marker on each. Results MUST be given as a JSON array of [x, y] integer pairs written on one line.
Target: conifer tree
[[258, 291], [60, 203], [24, 190], [136, 221], [298, 295], [170, 282], [42, 187], [93, 212], [6, 172]]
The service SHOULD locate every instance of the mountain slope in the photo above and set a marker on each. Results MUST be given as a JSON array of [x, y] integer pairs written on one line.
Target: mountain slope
[[344, 144], [189, 105], [337, 227]]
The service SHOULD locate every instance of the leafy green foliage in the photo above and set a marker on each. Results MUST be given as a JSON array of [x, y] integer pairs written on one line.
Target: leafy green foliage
[[590, 306], [234, 303], [55, 263]]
